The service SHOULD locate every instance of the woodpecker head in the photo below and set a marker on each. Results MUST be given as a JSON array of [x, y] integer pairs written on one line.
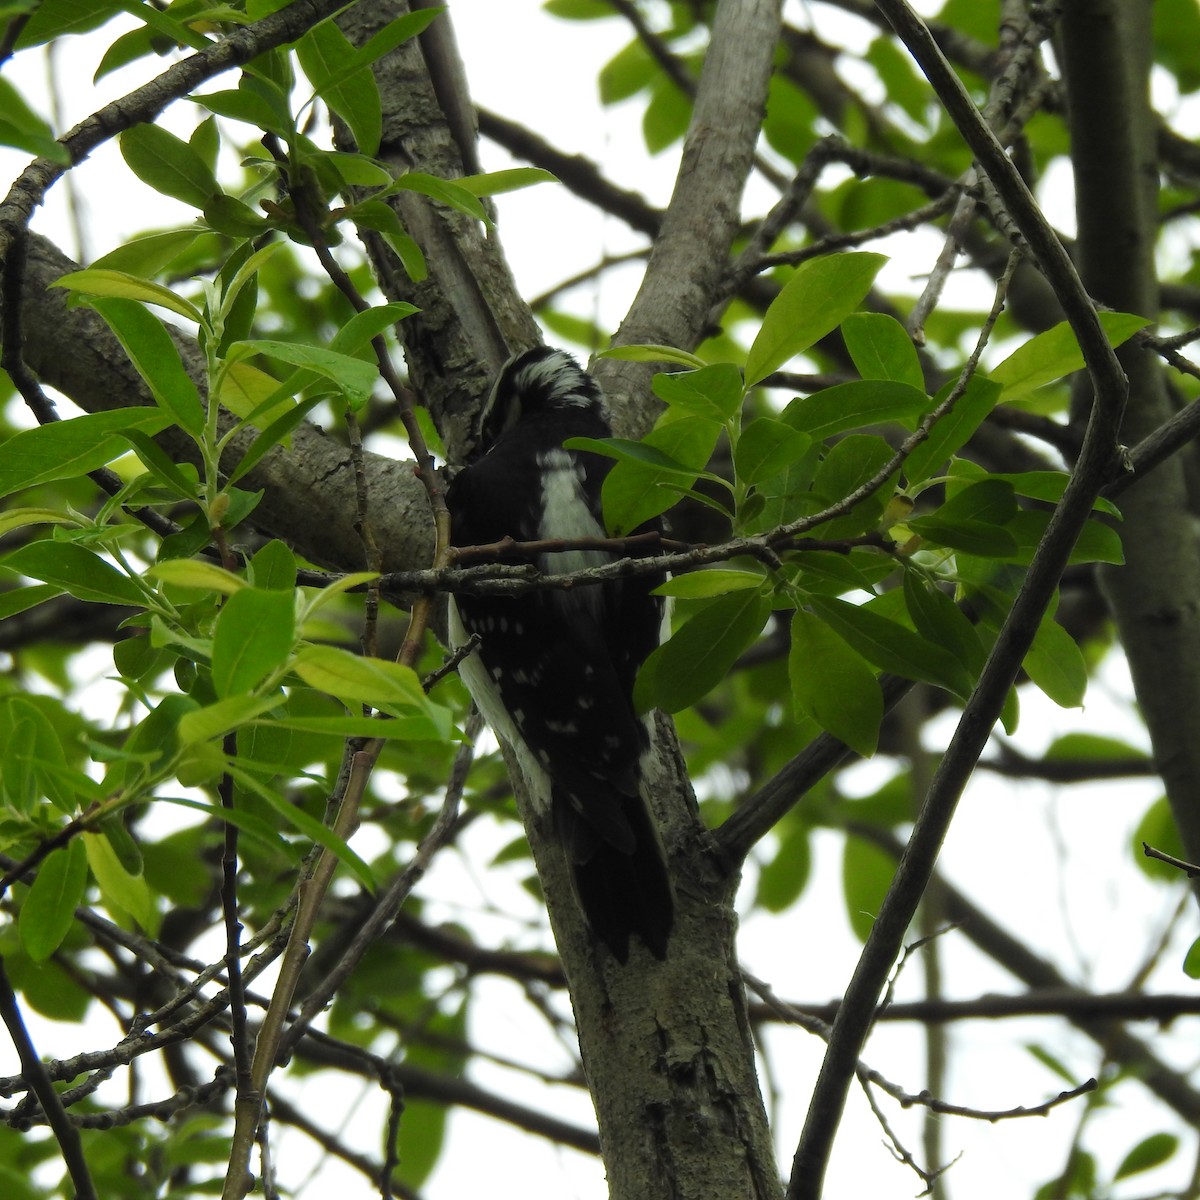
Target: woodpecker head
[[536, 382]]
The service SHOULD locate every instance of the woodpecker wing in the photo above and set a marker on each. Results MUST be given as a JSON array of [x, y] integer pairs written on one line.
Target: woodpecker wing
[[556, 657]]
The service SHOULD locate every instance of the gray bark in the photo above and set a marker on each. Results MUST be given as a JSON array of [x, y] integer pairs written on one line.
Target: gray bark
[[1155, 596]]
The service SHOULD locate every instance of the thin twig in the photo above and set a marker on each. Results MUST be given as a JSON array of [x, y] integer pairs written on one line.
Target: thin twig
[[397, 892], [233, 931], [867, 1074], [1189, 869]]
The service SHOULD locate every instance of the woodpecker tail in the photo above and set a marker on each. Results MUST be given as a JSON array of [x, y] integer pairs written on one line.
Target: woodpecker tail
[[622, 889]]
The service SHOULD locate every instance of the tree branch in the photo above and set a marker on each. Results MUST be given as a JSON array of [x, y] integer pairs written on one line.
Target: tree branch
[[38, 1079], [690, 256], [1093, 470]]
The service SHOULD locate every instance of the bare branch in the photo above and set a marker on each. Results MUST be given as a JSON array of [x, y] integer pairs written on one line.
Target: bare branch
[[35, 1072], [690, 255]]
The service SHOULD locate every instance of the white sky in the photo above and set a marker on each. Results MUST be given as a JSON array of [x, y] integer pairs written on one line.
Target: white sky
[[1006, 848]]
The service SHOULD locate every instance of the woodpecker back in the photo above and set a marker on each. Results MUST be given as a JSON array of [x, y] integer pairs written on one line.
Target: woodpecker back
[[554, 671]]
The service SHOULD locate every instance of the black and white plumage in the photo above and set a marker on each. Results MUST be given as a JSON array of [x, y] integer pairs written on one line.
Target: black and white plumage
[[554, 670]]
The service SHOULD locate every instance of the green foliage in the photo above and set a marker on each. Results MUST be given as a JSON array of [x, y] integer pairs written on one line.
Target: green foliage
[[814, 301], [866, 875], [812, 479], [867, 534], [1149, 1153]]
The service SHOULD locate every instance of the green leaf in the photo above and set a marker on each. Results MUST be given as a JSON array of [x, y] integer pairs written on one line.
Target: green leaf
[[893, 646], [494, 183], [1191, 961], [21, 127], [148, 255], [1149, 1153], [234, 218], [18, 600], [154, 353], [64, 449], [710, 581], [881, 349], [1049, 486], [357, 333], [169, 165], [121, 890], [628, 450], [353, 377], [854, 405], [395, 33], [104, 281], [18, 518], [374, 681], [1056, 664], [819, 296], [84, 575], [846, 466], [1157, 828], [276, 433], [952, 431], [254, 634], [237, 282], [164, 23], [626, 73], [251, 107], [866, 876], [765, 448], [194, 573], [49, 910], [781, 881], [792, 119], [54, 19], [1097, 542], [579, 10], [434, 724], [18, 780], [199, 725], [156, 462], [974, 537], [254, 396], [1092, 747], [374, 214], [1055, 353], [832, 684], [634, 492], [700, 653], [307, 825], [889, 805], [939, 620], [714, 393], [445, 191], [346, 85], [273, 566], [128, 852], [651, 352]]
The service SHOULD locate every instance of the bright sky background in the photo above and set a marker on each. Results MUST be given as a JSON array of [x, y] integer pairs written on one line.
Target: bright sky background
[[1005, 847]]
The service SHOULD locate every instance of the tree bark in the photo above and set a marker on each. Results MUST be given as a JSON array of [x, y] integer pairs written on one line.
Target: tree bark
[[666, 1045], [1155, 597], [73, 351]]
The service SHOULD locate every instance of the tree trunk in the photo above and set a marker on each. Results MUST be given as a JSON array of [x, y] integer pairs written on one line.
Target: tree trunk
[[1155, 596]]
